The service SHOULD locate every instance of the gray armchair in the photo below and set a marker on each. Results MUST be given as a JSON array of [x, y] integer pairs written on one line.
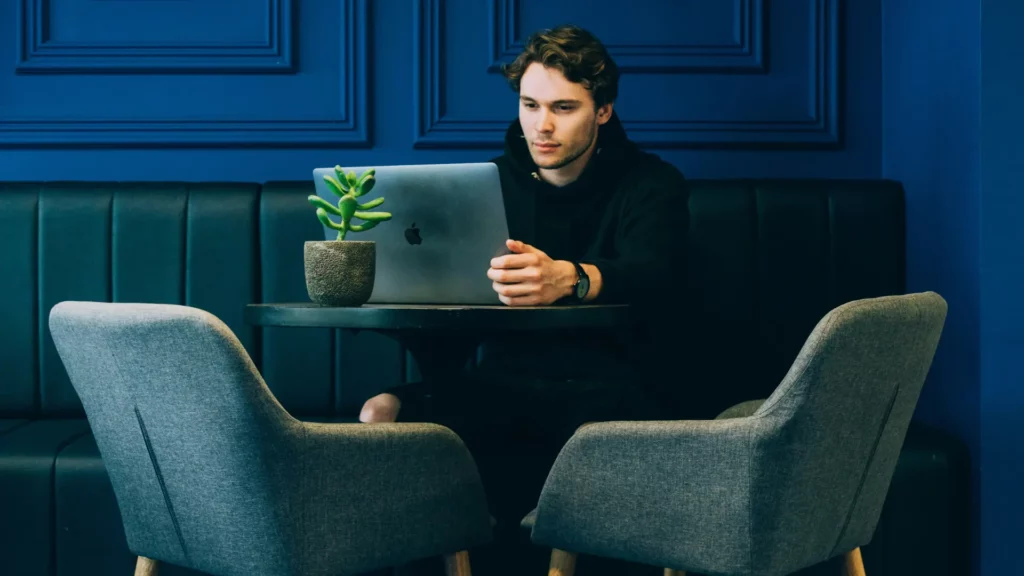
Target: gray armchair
[[768, 488], [212, 474]]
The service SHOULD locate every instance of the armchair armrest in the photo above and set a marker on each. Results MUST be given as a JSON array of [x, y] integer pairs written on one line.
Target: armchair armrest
[[652, 492], [402, 490]]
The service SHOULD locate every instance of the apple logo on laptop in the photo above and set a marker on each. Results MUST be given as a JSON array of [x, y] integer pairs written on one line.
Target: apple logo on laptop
[[412, 235]]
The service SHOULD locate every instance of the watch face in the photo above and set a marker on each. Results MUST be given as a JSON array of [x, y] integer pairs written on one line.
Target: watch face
[[582, 288]]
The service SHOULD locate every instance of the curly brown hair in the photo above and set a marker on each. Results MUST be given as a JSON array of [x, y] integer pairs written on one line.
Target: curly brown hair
[[577, 54]]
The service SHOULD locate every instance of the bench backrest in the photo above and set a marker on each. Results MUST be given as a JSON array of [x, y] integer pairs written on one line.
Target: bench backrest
[[768, 258]]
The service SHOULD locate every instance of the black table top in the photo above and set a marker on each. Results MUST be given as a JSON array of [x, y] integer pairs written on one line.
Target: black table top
[[405, 317]]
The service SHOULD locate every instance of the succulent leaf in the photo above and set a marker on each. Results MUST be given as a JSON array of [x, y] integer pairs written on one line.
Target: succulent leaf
[[371, 204], [366, 186], [347, 207], [373, 216], [321, 203], [364, 226], [322, 216], [335, 185]]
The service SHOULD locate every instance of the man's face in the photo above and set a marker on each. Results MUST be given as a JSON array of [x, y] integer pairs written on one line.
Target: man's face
[[558, 118]]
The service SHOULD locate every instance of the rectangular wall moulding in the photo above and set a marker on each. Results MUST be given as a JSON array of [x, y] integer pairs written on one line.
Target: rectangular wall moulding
[[732, 78], [76, 36]]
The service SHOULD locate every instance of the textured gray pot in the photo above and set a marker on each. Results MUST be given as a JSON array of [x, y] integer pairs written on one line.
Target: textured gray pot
[[340, 272]]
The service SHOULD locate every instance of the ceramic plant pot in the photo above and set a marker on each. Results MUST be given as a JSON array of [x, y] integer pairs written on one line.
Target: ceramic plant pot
[[340, 272]]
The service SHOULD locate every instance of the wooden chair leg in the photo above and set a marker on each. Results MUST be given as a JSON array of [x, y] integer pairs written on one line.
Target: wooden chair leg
[[562, 563], [457, 564], [146, 567], [854, 563]]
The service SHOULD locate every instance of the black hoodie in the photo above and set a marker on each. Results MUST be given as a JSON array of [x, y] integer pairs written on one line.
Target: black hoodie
[[627, 215]]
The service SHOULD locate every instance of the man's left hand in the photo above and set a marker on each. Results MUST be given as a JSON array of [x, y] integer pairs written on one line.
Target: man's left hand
[[529, 277]]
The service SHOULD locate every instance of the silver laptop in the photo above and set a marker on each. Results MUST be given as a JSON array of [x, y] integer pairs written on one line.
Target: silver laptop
[[448, 221]]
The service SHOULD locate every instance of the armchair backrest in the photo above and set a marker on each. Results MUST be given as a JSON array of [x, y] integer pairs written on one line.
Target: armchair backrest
[[830, 434], [195, 445]]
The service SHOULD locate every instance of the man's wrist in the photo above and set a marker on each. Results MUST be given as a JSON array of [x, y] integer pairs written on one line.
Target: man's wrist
[[570, 277], [595, 279]]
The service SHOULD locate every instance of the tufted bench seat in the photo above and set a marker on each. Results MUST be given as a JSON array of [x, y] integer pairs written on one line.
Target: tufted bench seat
[[766, 259]]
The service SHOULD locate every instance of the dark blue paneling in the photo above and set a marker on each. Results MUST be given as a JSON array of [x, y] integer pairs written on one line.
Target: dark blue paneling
[[738, 88], [931, 146], [676, 37], [953, 120], [90, 36], [795, 103], [324, 101], [1002, 282]]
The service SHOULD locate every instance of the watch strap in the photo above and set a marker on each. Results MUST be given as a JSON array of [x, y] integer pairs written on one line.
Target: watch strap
[[581, 274]]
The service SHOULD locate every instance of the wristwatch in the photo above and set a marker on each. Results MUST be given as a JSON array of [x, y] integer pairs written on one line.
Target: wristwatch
[[582, 285]]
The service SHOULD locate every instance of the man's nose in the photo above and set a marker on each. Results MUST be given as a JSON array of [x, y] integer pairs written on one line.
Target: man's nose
[[544, 123]]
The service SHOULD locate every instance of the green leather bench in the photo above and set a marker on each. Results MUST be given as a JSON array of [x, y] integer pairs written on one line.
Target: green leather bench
[[767, 260]]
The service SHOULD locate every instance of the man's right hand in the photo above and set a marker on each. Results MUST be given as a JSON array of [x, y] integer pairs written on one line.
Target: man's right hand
[[381, 408], [529, 277]]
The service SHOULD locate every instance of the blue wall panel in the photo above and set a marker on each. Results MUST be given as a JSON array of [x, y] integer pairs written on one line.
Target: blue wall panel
[[699, 78], [188, 83], [930, 143], [952, 98], [671, 37], [90, 36], [269, 89], [1001, 113]]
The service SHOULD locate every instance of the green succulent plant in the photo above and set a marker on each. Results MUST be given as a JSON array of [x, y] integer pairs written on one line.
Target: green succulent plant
[[348, 187]]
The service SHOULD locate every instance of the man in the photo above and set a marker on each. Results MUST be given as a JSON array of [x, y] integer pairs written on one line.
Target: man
[[594, 220]]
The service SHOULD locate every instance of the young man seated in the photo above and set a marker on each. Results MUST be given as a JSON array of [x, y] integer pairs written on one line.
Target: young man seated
[[593, 219]]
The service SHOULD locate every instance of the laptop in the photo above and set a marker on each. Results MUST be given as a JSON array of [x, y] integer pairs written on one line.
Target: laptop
[[448, 221]]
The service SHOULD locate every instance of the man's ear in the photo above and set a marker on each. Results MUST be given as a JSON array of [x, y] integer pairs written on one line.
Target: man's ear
[[604, 113]]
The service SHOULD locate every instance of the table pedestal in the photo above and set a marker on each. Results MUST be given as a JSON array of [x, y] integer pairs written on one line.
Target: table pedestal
[[439, 354]]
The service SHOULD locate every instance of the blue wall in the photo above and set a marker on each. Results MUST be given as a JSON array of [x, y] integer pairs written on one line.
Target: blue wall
[[193, 91], [1002, 283], [930, 88], [952, 119], [206, 91]]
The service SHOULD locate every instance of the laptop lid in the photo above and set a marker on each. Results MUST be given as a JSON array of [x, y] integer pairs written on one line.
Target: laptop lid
[[448, 221]]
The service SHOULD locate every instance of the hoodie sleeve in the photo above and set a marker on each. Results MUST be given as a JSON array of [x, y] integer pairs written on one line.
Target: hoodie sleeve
[[649, 261]]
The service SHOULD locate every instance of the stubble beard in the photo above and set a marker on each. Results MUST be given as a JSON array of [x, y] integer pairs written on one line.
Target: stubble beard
[[573, 155]]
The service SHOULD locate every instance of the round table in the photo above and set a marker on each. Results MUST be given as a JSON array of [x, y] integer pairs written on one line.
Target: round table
[[443, 337]]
